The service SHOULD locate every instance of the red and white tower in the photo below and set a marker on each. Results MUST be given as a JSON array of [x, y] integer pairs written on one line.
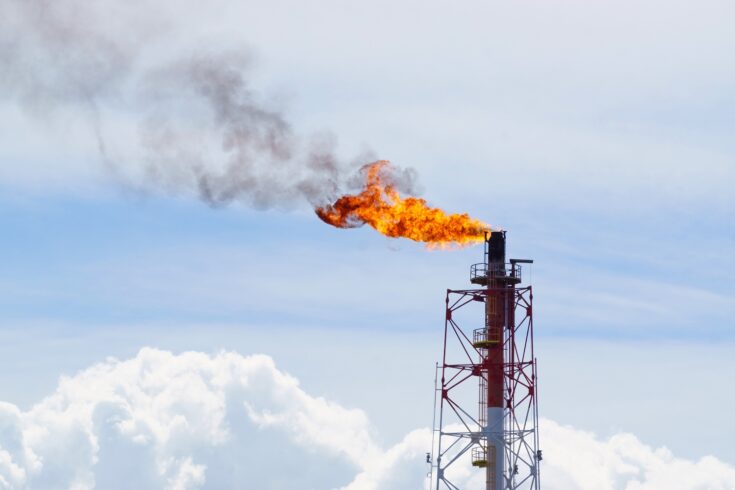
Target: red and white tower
[[500, 437]]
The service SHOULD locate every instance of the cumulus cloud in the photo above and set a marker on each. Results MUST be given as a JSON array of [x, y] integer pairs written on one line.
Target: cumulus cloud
[[187, 421], [579, 460], [193, 420]]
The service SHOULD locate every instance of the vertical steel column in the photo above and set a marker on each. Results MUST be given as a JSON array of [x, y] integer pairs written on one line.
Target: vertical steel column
[[496, 314]]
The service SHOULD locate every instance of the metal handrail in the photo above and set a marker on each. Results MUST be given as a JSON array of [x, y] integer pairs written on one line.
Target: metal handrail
[[495, 270]]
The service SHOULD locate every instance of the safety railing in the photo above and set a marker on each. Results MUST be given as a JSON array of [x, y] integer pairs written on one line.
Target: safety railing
[[489, 271]]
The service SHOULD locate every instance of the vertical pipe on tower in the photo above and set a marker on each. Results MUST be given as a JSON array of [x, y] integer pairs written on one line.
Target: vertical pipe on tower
[[496, 312]]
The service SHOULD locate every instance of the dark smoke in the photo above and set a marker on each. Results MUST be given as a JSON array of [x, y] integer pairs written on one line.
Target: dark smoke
[[201, 129]]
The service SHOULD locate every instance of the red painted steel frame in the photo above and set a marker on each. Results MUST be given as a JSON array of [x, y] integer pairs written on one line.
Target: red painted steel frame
[[514, 360]]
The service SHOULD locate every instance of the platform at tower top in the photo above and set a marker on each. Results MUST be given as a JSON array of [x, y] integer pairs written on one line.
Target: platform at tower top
[[482, 273]]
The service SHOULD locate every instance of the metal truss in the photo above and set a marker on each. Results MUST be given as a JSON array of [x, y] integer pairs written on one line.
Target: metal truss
[[461, 434]]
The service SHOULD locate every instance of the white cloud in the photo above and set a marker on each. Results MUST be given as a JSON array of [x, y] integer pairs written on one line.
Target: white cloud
[[578, 460], [192, 420], [167, 418], [400, 467]]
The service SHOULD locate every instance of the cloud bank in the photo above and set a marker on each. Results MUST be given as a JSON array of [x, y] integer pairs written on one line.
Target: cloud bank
[[193, 421]]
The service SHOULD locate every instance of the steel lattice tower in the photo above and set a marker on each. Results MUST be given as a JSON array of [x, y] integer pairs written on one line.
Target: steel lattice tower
[[495, 360]]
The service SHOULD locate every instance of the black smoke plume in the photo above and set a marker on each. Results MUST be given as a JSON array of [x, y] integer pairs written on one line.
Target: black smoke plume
[[201, 129]]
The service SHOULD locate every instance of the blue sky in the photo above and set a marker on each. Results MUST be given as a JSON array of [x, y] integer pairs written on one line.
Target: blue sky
[[597, 133]]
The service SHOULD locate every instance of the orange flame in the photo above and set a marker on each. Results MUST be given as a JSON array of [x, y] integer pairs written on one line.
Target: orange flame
[[381, 206]]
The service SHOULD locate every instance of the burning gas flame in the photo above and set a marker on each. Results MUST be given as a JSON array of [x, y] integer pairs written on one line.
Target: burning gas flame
[[381, 206]]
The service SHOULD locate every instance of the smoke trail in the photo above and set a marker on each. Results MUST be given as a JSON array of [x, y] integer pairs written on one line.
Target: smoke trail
[[201, 129]]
